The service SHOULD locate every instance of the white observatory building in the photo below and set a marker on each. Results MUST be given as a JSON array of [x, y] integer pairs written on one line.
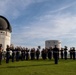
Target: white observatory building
[[52, 43], [5, 32]]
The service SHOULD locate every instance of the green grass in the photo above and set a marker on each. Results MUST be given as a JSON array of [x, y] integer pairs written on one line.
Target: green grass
[[39, 67]]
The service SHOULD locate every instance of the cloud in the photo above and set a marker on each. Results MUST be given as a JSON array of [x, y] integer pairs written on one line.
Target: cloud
[[63, 7], [48, 27], [14, 8]]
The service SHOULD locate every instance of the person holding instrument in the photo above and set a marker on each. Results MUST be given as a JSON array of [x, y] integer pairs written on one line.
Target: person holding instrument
[[56, 54], [0, 54]]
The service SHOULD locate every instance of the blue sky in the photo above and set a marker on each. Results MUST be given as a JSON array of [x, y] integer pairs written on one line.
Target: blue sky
[[34, 21]]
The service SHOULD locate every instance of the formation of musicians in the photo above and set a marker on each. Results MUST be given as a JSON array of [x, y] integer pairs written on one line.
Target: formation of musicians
[[22, 53]]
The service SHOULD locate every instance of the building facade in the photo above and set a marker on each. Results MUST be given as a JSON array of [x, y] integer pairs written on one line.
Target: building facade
[[5, 32], [52, 43]]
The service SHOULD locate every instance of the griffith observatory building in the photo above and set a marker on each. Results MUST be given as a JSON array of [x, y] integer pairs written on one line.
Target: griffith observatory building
[[5, 33]]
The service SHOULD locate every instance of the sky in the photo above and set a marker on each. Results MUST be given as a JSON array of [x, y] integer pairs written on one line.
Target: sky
[[35, 21]]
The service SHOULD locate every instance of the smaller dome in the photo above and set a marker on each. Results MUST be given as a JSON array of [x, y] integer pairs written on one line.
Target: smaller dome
[[4, 24]]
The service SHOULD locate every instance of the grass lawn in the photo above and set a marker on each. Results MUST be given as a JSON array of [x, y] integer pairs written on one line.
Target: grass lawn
[[39, 67]]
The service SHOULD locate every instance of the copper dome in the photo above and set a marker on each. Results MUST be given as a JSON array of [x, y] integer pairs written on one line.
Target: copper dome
[[4, 24]]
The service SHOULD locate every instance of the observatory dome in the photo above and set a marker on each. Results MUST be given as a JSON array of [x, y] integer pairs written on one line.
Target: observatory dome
[[4, 24]]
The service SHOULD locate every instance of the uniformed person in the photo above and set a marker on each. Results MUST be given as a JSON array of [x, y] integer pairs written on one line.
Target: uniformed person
[[61, 53], [22, 54], [7, 54], [27, 54], [37, 54], [65, 53], [17, 53], [0, 54], [32, 53], [13, 53], [56, 54], [73, 53], [44, 54], [49, 53]]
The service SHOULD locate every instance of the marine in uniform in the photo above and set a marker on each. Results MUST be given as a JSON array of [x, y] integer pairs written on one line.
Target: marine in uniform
[[37, 54], [44, 54], [0, 54], [73, 53], [65, 53], [49, 52], [7, 54], [61, 53], [17, 53], [56, 54], [27, 54]]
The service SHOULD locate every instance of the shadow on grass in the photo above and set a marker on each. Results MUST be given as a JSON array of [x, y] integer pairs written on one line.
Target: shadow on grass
[[27, 66], [21, 66]]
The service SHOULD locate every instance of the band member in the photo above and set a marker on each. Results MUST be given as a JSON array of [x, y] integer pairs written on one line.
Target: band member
[[22, 53], [13, 53], [7, 54], [65, 53], [56, 54], [37, 54], [73, 53], [61, 53], [49, 53], [44, 54], [32, 53], [17, 53], [0, 54], [27, 54]]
